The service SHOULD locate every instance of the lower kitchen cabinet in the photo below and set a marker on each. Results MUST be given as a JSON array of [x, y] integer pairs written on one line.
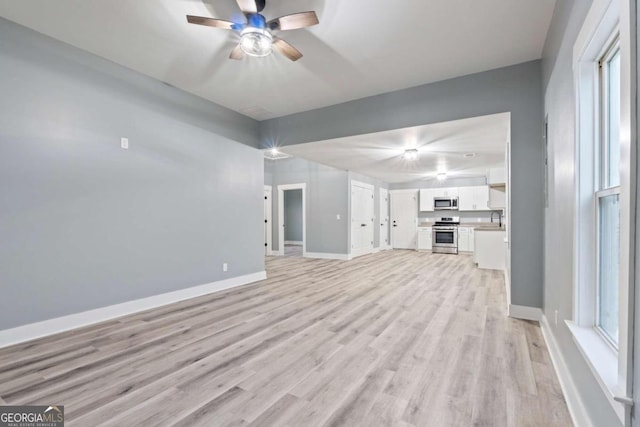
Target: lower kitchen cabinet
[[490, 249], [424, 238], [466, 239]]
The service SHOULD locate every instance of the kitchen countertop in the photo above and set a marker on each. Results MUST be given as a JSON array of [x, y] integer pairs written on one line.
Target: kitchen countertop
[[490, 228], [482, 226]]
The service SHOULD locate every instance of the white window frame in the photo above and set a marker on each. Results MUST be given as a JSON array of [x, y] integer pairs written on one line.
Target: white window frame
[[611, 367], [601, 170]]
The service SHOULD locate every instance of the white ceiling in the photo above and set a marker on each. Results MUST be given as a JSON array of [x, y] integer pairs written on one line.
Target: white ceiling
[[441, 148], [360, 48]]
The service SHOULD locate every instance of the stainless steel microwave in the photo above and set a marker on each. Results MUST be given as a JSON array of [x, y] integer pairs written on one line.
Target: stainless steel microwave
[[445, 203]]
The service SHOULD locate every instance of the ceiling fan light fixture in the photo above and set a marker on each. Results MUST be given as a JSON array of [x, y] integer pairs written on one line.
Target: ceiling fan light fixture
[[410, 154], [256, 41]]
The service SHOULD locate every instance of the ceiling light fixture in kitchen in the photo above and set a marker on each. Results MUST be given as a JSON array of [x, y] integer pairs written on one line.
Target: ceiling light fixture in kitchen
[[441, 176], [410, 154]]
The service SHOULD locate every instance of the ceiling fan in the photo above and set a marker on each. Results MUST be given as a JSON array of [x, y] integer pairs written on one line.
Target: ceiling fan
[[256, 37]]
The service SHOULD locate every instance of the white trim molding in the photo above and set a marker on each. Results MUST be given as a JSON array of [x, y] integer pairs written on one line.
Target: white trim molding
[[293, 242], [73, 321], [524, 312], [323, 255], [603, 362], [576, 407]]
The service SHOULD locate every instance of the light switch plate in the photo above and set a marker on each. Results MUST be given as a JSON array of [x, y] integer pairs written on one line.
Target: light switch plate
[[124, 143]]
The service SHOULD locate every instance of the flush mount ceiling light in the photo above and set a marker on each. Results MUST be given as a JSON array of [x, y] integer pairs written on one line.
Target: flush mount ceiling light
[[410, 154], [441, 176], [274, 153], [469, 154], [256, 34]]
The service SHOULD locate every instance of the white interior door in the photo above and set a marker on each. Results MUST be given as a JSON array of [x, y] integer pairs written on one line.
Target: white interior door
[[268, 209], [404, 219], [384, 218], [362, 210]]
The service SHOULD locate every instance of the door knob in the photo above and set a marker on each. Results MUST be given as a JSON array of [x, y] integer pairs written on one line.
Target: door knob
[[363, 225]]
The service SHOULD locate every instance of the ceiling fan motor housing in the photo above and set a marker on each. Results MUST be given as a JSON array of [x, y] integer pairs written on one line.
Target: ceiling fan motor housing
[[256, 20]]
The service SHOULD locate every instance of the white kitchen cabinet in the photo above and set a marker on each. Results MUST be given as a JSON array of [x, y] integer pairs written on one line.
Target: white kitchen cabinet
[[424, 238], [426, 199], [473, 198], [497, 176], [497, 198], [465, 239], [490, 249], [446, 192]]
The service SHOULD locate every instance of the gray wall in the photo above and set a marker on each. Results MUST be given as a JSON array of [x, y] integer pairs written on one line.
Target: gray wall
[[559, 226], [293, 215], [85, 224], [326, 196], [516, 89]]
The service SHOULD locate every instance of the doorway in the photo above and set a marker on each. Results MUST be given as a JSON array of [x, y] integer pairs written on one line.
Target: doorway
[[268, 209], [362, 218], [404, 219], [292, 220], [384, 219]]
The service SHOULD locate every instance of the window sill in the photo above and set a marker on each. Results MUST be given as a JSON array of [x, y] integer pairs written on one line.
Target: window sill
[[602, 360]]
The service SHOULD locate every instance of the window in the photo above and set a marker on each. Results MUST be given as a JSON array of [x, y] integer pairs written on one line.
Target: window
[[603, 243], [607, 195]]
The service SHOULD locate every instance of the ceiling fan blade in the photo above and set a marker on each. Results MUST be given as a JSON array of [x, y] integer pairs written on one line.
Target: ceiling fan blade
[[210, 22], [294, 21], [286, 49], [237, 53], [248, 6]]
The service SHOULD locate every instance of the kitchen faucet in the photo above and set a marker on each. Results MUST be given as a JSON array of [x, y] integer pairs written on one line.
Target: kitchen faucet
[[499, 217]]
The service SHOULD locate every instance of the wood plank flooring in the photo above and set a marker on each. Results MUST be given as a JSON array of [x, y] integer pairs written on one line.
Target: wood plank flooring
[[398, 338]]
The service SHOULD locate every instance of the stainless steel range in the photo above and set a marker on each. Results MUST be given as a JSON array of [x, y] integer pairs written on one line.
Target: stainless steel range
[[445, 235]]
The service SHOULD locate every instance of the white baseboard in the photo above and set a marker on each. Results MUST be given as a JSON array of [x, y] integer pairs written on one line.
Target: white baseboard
[[323, 255], [525, 312], [576, 407], [293, 243], [375, 250], [73, 321]]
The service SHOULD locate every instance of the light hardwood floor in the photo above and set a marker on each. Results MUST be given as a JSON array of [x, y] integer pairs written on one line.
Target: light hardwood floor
[[398, 338]]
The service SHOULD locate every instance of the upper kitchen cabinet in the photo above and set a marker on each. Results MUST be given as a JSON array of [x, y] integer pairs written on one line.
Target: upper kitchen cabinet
[[473, 198], [426, 199], [497, 177], [446, 192]]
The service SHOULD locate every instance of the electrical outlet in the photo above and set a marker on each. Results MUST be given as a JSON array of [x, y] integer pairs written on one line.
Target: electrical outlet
[[124, 143], [338, 216], [556, 317], [225, 267]]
